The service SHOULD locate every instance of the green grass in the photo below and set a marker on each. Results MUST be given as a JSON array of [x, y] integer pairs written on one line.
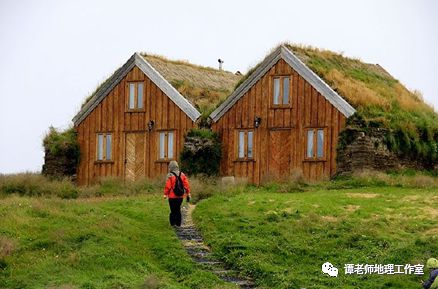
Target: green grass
[[117, 242], [282, 239], [116, 235]]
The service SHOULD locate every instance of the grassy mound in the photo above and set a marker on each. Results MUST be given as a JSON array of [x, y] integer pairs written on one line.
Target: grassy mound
[[62, 153], [380, 100], [283, 239]]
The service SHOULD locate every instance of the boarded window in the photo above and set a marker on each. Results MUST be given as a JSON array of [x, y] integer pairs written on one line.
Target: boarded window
[[136, 95], [104, 147], [166, 145], [245, 145], [281, 91], [315, 143]]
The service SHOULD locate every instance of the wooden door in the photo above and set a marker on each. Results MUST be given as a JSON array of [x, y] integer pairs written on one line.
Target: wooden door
[[134, 156], [279, 160]]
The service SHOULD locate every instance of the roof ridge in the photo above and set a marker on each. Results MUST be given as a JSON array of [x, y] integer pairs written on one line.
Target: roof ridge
[[282, 52], [183, 62], [136, 60]]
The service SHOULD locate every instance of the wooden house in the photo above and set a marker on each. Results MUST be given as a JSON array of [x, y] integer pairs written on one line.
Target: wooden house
[[281, 120], [135, 122]]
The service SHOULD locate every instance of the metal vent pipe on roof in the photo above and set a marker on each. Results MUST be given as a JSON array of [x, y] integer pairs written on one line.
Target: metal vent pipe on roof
[[220, 63]]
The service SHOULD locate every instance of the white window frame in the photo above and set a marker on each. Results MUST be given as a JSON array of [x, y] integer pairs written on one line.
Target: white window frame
[[104, 147], [135, 95], [166, 145], [279, 97], [245, 144], [315, 143]]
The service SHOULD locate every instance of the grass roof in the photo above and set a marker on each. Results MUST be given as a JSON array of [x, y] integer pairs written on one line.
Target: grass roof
[[204, 87], [379, 98]]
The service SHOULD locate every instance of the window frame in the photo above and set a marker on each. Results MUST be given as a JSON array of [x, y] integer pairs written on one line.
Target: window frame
[[136, 96], [246, 133], [314, 156], [166, 133], [104, 146], [281, 78]]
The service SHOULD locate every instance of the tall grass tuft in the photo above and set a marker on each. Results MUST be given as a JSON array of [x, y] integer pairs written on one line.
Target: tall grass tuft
[[32, 184]]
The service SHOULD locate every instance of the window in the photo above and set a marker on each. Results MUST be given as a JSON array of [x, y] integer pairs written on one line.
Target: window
[[245, 145], [281, 91], [104, 147], [315, 143], [135, 99], [166, 145]]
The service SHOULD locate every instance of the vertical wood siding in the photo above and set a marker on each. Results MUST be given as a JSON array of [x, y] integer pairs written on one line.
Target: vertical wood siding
[[309, 109], [111, 116]]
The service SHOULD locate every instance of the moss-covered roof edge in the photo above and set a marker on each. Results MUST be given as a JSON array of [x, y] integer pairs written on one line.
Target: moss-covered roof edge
[[136, 60], [282, 52]]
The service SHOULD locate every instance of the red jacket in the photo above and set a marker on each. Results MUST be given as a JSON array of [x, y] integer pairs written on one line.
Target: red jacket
[[170, 184]]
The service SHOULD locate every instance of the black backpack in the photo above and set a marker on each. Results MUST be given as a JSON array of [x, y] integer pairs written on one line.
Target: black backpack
[[179, 189]]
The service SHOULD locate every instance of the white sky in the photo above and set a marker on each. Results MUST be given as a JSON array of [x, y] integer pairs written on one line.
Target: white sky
[[54, 53]]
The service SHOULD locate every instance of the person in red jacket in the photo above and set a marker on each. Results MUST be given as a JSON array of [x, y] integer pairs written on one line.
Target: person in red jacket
[[174, 200]]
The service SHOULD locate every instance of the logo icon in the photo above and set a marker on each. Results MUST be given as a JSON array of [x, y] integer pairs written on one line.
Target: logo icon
[[328, 268]]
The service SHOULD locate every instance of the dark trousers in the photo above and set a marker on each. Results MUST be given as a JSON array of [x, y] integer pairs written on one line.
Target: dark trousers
[[175, 211]]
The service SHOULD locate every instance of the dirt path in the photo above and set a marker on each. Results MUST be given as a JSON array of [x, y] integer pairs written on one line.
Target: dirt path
[[201, 253]]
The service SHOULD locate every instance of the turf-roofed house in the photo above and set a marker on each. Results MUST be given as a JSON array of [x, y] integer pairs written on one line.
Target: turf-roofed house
[[135, 122], [300, 107]]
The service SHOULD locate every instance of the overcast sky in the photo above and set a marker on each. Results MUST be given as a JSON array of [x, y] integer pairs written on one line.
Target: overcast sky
[[54, 53]]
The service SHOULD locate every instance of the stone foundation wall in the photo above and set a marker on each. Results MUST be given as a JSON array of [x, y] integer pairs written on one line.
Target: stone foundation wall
[[368, 150]]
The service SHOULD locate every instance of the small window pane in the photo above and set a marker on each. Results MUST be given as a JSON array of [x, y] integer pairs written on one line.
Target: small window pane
[[108, 147], [131, 95], [286, 90], [310, 143], [320, 143], [241, 144], [162, 141], [250, 144], [170, 145], [140, 95], [276, 90], [100, 147]]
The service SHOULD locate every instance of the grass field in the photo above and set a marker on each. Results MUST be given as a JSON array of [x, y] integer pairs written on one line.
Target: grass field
[[282, 239], [115, 235], [117, 242]]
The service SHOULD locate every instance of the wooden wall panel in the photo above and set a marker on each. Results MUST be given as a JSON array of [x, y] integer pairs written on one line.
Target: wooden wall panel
[[308, 109], [110, 116]]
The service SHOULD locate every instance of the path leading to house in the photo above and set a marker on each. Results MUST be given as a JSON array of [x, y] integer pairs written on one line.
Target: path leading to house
[[201, 253]]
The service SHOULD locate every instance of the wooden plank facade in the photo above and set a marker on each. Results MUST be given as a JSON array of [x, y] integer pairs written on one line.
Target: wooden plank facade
[[281, 120], [134, 148], [279, 144]]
